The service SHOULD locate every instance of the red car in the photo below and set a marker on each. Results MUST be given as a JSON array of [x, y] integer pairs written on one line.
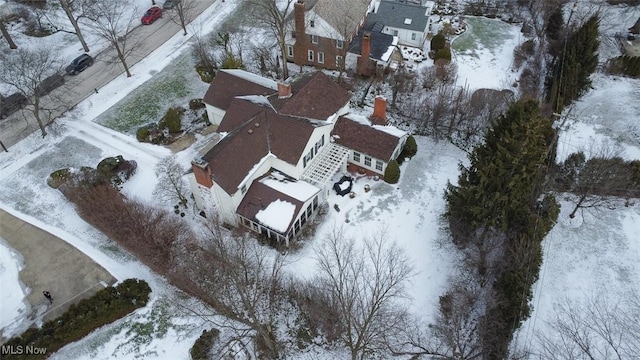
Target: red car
[[151, 15]]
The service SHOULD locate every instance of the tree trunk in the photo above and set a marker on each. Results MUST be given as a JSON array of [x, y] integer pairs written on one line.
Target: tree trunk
[[578, 205], [36, 114], [6, 35], [283, 53], [72, 19], [122, 59]]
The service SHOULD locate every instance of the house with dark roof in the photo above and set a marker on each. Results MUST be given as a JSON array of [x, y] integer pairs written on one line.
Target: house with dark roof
[[408, 20], [322, 31], [280, 147]]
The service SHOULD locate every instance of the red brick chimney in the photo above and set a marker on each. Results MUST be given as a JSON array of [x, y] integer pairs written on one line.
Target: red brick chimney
[[202, 171], [379, 116], [300, 47], [364, 63], [284, 90]]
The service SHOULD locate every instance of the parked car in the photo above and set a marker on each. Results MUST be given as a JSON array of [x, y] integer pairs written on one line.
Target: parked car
[[169, 4], [79, 64], [151, 15], [11, 104], [49, 84]]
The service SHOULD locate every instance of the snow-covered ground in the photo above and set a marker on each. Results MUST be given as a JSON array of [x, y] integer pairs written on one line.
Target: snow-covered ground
[[597, 252], [13, 293]]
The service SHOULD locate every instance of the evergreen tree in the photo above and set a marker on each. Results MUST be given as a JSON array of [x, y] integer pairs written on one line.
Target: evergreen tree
[[575, 64], [438, 42], [410, 147], [498, 197], [392, 172]]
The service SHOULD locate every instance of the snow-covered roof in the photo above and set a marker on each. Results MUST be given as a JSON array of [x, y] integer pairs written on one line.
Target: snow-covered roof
[[391, 130], [256, 79], [277, 215], [300, 190], [257, 99]]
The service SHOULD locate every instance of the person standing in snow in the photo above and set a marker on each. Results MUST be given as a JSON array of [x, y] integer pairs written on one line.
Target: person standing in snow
[[48, 296]]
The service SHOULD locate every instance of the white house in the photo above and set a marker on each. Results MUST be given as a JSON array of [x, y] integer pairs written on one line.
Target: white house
[[408, 20], [281, 146]]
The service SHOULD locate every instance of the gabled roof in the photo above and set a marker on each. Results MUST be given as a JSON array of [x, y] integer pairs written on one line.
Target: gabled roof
[[381, 46], [356, 132], [315, 96], [262, 133], [401, 16], [230, 83], [259, 196], [334, 19]]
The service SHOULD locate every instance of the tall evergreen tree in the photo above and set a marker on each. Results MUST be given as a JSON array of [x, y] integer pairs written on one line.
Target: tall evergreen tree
[[575, 64], [497, 201]]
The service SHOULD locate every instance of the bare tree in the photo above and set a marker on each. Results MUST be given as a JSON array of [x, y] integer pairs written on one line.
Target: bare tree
[[272, 14], [183, 14], [366, 283], [76, 10], [113, 22], [6, 35], [599, 328], [171, 187], [25, 70]]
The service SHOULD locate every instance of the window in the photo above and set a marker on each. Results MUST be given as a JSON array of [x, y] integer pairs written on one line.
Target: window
[[290, 51], [312, 23], [315, 202], [413, 36], [378, 165], [339, 61], [339, 44], [309, 211], [243, 189], [394, 32], [310, 55], [356, 156], [367, 160], [314, 39], [321, 57]]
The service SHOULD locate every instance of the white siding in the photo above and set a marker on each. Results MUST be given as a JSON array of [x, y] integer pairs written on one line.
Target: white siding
[[404, 36], [215, 114]]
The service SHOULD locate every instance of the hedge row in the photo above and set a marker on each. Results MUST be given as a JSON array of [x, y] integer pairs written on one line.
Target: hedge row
[[106, 306]]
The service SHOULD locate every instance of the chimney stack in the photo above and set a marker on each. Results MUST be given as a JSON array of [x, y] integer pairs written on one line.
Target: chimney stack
[[284, 90], [202, 172], [300, 46], [379, 116], [364, 65]]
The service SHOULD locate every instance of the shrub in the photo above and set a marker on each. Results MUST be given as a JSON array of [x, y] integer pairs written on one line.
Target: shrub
[[202, 347], [206, 73], [143, 134], [410, 147], [106, 306], [171, 120], [58, 177], [443, 54], [195, 104], [438, 42], [392, 172]]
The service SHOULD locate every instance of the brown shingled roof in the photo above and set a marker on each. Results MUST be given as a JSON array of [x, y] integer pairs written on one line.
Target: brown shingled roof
[[315, 96], [259, 196], [236, 154], [364, 138], [226, 85]]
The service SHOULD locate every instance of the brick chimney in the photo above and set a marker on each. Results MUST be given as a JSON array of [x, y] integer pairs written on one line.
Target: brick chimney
[[379, 116], [364, 63], [284, 90], [300, 46], [202, 172]]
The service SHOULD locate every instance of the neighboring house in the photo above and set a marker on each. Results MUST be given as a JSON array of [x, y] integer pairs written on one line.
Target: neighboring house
[[373, 51], [407, 20], [280, 149], [323, 30]]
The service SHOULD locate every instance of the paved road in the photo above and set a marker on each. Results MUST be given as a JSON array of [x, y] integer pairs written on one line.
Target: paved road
[[52, 264], [143, 39]]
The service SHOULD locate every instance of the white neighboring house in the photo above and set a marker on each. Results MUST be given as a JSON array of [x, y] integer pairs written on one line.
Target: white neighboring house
[[408, 20], [281, 146]]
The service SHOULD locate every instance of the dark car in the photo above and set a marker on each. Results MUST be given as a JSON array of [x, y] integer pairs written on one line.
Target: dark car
[[169, 4], [49, 84], [11, 104], [79, 64], [151, 15]]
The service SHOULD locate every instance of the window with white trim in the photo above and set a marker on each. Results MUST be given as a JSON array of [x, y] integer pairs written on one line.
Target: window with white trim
[[314, 39], [356, 156], [413, 36], [310, 55], [290, 51], [339, 61], [394, 32], [320, 57], [378, 165], [367, 160], [243, 189], [339, 44]]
